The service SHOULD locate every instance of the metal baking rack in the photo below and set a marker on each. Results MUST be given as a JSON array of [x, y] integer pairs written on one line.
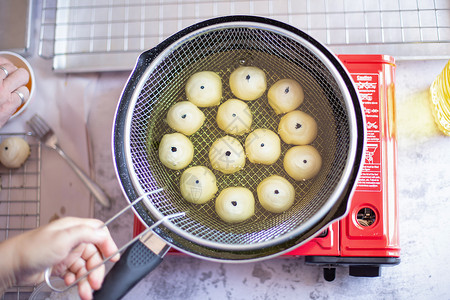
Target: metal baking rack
[[103, 35], [20, 201]]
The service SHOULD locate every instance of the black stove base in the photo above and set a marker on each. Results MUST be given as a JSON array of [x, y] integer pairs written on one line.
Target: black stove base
[[358, 266]]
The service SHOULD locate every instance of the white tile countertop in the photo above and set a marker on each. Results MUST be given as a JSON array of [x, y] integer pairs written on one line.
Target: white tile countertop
[[81, 107]]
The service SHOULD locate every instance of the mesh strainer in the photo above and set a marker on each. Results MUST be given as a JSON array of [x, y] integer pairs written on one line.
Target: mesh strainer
[[221, 45]]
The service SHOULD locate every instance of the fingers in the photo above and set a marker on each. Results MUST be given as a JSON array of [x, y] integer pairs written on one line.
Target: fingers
[[6, 69], [88, 231], [108, 247], [21, 95], [16, 79], [89, 259]]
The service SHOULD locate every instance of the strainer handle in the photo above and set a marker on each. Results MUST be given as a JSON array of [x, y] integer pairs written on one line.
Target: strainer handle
[[135, 263]]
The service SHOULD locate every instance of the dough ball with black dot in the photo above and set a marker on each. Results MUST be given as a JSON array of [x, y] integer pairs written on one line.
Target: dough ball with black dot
[[176, 151], [198, 184], [302, 162], [285, 95], [185, 117], [263, 146], [248, 83], [204, 89], [276, 194], [297, 128], [234, 117], [227, 155], [14, 151], [235, 204]]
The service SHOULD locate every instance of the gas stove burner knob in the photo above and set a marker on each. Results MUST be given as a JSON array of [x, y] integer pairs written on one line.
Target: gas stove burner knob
[[366, 217]]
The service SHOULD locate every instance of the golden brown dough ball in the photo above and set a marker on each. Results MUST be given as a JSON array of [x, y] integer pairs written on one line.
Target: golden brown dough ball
[[285, 95], [14, 151], [234, 117], [198, 184], [227, 155], [175, 151], [276, 194], [248, 83], [204, 89], [235, 204], [302, 162], [185, 117], [263, 146], [297, 128]]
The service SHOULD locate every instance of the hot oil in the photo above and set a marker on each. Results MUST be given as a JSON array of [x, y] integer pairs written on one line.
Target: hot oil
[[315, 104]]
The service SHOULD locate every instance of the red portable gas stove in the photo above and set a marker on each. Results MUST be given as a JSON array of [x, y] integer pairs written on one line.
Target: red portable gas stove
[[367, 238]]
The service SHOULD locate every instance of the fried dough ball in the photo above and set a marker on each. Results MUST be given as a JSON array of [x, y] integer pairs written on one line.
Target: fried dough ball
[[198, 184], [248, 83], [234, 117], [285, 95], [204, 89], [276, 194], [263, 146], [14, 151], [235, 204], [176, 151], [185, 117], [297, 128], [227, 155], [302, 162]]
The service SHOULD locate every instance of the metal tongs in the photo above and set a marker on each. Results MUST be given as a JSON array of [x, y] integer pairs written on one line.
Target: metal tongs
[[142, 235]]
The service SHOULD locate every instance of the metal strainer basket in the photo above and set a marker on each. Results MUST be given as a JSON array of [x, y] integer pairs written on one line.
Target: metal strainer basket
[[221, 45]]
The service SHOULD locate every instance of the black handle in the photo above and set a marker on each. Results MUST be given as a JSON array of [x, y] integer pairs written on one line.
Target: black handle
[[136, 262]]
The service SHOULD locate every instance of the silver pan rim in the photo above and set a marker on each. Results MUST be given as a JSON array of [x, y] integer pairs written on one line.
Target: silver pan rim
[[341, 186]]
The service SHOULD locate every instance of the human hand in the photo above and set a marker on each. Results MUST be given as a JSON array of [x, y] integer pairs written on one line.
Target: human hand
[[71, 246], [12, 85]]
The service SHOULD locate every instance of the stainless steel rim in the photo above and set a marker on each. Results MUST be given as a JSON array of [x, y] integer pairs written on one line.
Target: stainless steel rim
[[320, 214]]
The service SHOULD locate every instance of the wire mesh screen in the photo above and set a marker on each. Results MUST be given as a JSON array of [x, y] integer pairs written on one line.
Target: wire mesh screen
[[95, 34], [20, 201], [222, 51]]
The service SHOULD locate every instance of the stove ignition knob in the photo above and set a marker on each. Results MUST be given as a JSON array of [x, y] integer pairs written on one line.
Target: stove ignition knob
[[366, 217]]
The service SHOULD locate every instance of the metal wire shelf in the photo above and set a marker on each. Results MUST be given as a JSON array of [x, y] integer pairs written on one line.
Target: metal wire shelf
[[110, 34], [20, 201]]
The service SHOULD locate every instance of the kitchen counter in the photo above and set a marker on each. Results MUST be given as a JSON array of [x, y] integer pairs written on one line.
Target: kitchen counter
[[81, 108]]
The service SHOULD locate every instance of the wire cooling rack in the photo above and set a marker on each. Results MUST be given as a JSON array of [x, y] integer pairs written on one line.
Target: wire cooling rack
[[101, 35], [20, 201]]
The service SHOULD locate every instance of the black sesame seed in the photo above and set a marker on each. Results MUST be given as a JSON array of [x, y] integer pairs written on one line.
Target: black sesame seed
[[234, 203], [183, 116], [276, 192], [298, 126], [286, 90], [262, 144], [173, 149], [305, 161], [197, 181], [233, 115], [247, 77], [202, 87], [228, 153]]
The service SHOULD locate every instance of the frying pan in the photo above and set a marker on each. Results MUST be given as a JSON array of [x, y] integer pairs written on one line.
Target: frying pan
[[157, 82]]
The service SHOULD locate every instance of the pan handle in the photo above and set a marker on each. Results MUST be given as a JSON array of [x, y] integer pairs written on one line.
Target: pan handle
[[135, 263]]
